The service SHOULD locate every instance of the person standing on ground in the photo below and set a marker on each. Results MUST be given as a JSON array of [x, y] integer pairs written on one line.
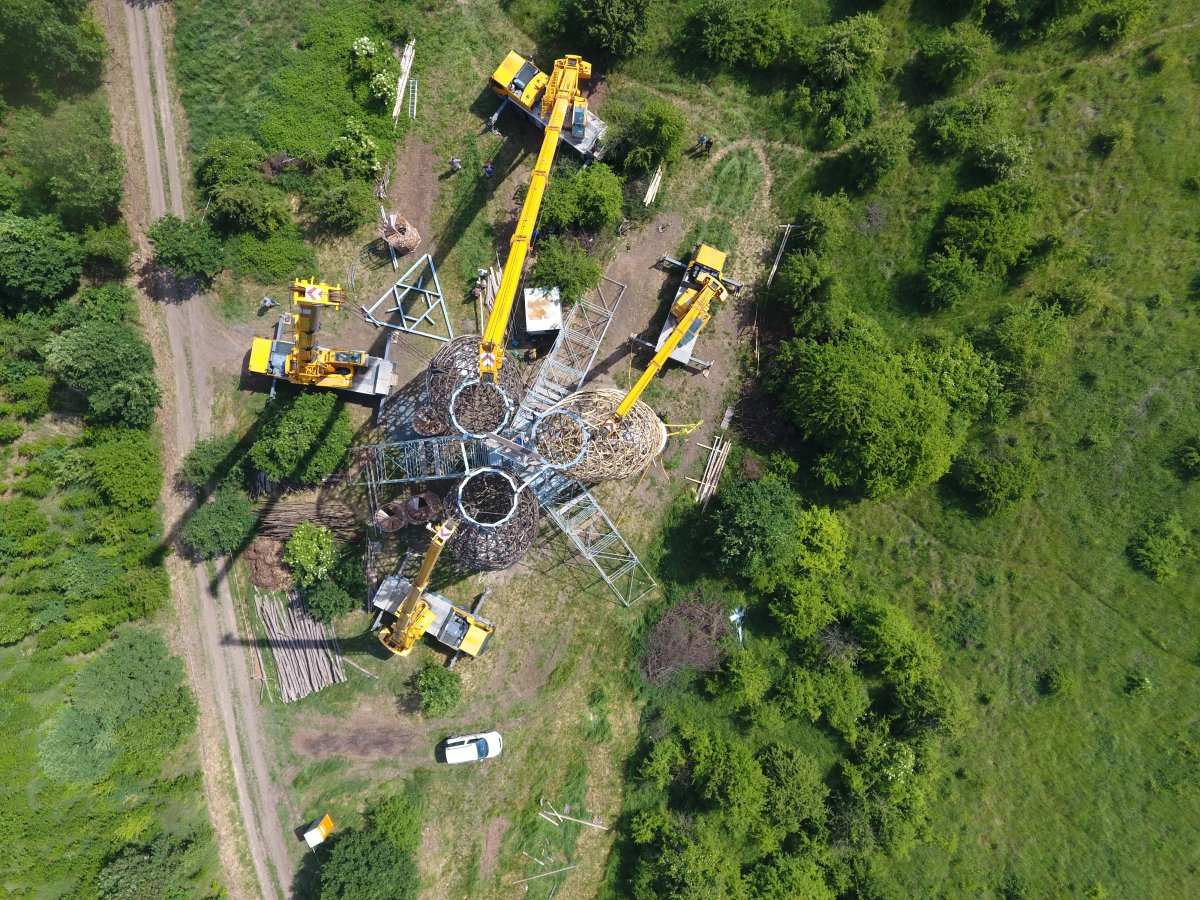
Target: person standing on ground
[[703, 140], [487, 169], [708, 146], [455, 164]]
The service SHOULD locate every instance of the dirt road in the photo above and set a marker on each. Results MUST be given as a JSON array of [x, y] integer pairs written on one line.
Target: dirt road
[[190, 345]]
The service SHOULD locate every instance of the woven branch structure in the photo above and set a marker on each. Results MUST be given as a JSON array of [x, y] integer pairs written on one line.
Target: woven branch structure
[[637, 441], [499, 522], [458, 398]]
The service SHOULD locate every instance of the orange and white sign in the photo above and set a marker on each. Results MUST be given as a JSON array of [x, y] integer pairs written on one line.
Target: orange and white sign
[[318, 831], [314, 292], [487, 360], [444, 533]]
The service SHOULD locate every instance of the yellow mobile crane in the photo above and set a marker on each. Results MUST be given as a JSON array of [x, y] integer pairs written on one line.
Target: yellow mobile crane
[[423, 610], [701, 285], [303, 362], [519, 81]]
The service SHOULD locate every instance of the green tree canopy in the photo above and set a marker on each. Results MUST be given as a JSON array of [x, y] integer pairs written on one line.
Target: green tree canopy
[[302, 438], [336, 202], [618, 27], [222, 525], [125, 468], [563, 264], [761, 532], [590, 199], [653, 134], [439, 688], [49, 43], [39, 262], [70, 160], [309, 552], [241, 200], [888, 421], [187, 247], [365, 865], [111, 364]]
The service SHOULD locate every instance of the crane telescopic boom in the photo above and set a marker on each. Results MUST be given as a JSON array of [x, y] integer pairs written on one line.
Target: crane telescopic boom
[[561, 96], [414, 616], [692, 311]]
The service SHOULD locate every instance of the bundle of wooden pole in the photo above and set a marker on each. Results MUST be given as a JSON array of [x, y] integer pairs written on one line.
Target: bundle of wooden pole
[[305, 658], [707, 486], [280, 519]]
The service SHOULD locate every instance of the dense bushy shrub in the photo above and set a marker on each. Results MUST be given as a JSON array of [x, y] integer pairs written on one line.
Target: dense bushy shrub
[[355, 152], [107, 248], [364, 865], [1189, 459], [998, 476], [125, 468], [39, 262], [186, 247], [653, 134], [302, 438], [961, 124], [111, 364], [1026, 19], [806, 280], [1114, 20], [240, 199], [883, 149], [336, 202], [993, 225], [614, 26], [214, 459], [439, 688], [590, 199], [1058, 681], [849, 49], [1159, 546], [131, 729], [1005, 157], [326, 601], [821, 223], [887, 422], [762, 533], [954, 55], [310, 553], [1026, 341], [110, 302], [562, 263], [950, 278], [70, 161], [752, 34], [222, 525]]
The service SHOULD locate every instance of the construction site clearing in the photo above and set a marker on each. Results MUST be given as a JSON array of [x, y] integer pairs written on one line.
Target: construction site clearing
[[481, 455]]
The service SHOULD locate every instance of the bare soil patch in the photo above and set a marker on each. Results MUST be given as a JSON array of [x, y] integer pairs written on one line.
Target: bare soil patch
[[414, 188], [489, 860]]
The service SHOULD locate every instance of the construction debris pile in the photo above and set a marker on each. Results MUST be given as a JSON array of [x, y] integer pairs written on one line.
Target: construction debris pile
[[306, 657], [400, 235]]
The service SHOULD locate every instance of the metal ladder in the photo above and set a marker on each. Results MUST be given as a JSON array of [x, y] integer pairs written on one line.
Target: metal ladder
[[412, 99], [423, 459]]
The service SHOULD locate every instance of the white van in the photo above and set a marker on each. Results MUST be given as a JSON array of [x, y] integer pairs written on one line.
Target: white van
[[473, 747]]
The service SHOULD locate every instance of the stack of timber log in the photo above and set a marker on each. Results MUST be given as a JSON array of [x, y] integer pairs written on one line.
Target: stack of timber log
[[306, 657]]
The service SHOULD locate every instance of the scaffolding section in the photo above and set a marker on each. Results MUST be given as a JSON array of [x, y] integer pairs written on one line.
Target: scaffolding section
[[426, 314], [578, 515], [574, 351], [423, 459]]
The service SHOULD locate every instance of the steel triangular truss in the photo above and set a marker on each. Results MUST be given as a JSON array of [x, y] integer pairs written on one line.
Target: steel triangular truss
[[416, 302]]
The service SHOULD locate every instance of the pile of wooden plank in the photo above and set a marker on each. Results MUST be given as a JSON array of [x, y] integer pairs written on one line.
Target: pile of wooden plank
[[707, 486], [306, 658]]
